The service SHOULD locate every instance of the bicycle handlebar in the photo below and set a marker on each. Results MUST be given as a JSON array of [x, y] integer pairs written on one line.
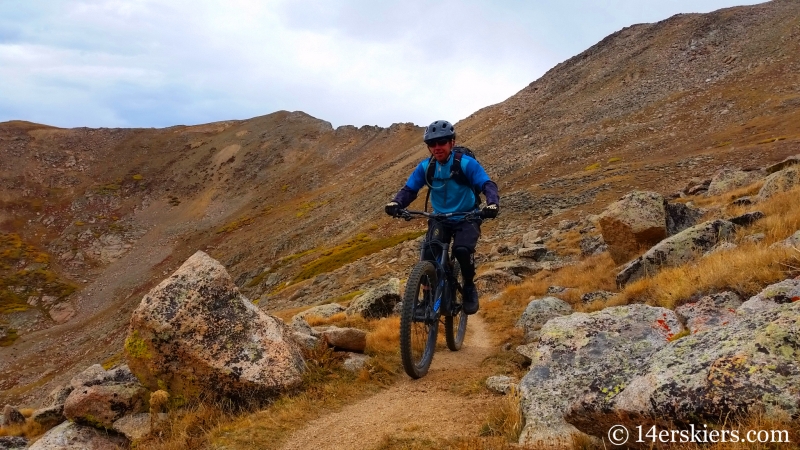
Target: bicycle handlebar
[[409, 214]]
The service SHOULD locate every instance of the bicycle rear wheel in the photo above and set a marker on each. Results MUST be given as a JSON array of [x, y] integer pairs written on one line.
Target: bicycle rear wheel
[[455, 322], [419, 323]]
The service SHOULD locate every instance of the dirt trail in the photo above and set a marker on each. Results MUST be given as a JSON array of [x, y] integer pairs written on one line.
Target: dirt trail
[[425, 408]]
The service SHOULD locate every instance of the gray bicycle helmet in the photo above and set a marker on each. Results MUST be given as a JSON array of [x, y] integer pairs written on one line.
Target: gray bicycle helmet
[[439, 129]]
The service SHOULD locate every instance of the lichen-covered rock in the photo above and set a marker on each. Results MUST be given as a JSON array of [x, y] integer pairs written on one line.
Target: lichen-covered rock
[[792, 241], [134, 426], [92, 375], [638, 219], [102, 404], [50, 416], [749, 366], [196, 334], [538, 312], [594, 296], [593, 245], [780, 181], [12, 416], [501, 384], [729, 179], [13, 443], [323, 311], [789, 161], [710, 311], [676, 250], [531, 238], [747, 219], [535, 252], [774, 295], [679, 217], [350, 339], [354, 362], [378, 302], [73, 436], [584, 355]]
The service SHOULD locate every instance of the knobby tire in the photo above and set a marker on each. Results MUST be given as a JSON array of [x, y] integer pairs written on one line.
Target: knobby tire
[[418, 337], [455, 326]]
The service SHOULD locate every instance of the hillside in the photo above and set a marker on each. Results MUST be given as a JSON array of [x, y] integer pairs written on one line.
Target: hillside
[[93, 218]]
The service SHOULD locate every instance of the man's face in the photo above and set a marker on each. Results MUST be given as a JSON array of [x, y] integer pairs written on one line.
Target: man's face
[[441, 148]]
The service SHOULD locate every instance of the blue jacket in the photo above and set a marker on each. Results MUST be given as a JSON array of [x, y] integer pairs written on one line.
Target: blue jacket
[[448, 196]]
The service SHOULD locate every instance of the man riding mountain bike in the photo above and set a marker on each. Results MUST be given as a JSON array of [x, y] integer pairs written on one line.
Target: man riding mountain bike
[[453, 189]]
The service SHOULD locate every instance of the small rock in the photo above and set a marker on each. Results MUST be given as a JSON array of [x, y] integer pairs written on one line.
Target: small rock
[[501, 384], [747, 219], [351, 339], [354, 362], [12, 416]]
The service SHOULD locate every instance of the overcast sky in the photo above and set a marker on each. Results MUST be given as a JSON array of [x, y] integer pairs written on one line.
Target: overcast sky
[[157, 63]]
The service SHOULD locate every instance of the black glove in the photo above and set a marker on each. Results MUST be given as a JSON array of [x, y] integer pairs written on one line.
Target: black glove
[[392, 208], [490, 211]]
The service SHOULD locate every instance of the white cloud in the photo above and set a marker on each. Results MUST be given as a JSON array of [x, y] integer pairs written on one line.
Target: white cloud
[[160, 63]]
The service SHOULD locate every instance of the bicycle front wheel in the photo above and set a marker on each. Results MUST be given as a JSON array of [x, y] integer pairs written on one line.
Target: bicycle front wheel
[[419, 323], [455, 323]]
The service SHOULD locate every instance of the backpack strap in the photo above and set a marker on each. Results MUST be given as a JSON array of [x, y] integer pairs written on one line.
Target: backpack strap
[[456, 174]]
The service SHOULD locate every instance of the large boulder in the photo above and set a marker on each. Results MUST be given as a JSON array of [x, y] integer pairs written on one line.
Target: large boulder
[[780, 181], [378, 302], [73, 436], [751, 366], [637, 220], [677, 250], [729, 179], [538, 312], [196, 334], [584, 355]]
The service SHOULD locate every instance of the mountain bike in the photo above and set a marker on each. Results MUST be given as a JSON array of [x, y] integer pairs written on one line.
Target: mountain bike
[[433, 292]]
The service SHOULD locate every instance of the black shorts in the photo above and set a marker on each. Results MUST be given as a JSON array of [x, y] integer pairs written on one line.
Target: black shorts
[[463, 234]]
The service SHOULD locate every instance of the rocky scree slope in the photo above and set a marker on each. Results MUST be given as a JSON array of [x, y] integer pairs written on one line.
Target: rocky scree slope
[[114, 210]]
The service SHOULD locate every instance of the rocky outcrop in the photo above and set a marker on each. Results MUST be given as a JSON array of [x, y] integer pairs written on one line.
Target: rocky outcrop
[[538, 312], [73, 436], [710, 311], [350, 339], [680, 217], [780, 181], [708, 377], [587, 355], [195, 333], [747, 219], [777, 167], [99, 398], [729, 179], [787, 291], [676, 250], [12, 416], [378, 302], [634, 221]]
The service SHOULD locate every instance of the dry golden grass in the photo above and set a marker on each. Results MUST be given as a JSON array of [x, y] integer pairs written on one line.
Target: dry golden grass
[[726, 197], [594, 273], [326, 386], [505, 417], [746, 269], [29, 429]]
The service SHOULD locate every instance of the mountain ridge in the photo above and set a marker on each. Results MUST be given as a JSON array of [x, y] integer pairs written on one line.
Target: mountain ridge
[[648, 107]]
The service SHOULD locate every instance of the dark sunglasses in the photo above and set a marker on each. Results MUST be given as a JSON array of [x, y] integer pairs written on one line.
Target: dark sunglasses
[[438, 142]]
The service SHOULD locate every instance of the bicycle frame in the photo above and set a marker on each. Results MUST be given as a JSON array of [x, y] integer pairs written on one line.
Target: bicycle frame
[[448, 284]]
